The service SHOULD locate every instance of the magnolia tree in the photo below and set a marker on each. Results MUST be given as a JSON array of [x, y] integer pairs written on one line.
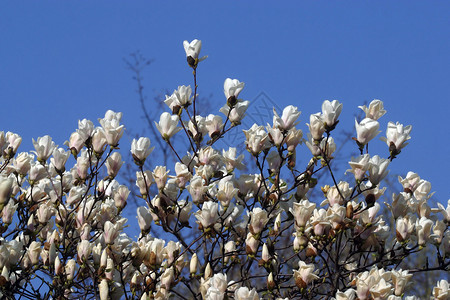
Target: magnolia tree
[[227, 234]]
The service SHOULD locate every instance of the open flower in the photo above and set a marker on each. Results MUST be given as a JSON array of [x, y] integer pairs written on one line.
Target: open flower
[[378, 169], [243, 293], [44, 147], [180, 97], [288, 118], [304, 275], [396, 137], [208, 215], [167, 125], [375, 109]]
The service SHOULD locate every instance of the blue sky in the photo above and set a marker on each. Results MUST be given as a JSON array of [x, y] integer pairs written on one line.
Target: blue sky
[[62, 61]]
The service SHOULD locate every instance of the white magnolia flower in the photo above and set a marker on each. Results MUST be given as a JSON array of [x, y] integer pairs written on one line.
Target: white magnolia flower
[[208, 215], [167, 125], [302, 212], [180, 97], [236, 113], [423, 228], [400, 280], [13, 142], [330, 113], [243, 293], [44, 147], [316, 126], [140, 149], [304, 275], [258, 219], [113, 164], [359, 165], [59, 159], [232, 88], [378, 169], [288, 118], [256, 139], [375, 109], [366, 130], [396, 136], [442, 290], [192, 50]]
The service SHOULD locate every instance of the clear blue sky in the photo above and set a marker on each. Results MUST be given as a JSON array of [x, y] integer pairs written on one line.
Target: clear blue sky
[[61, 61]]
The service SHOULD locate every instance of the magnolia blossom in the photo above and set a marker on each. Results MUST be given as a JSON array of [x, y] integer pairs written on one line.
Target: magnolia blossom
[[423, 228], [288, 118], [22, 162], [75, 142], [111, 232], [70, 269], [316, 126], [366, 130], [180, 97], [302, 212], [13, 142], [375, 109], [258, 219], [111, 126], [167, 125], [236, 113], [99, 140], [359, 165], [397, 135], [160, 176], [330, 113], [293, 138], [208, 215], [143, 181], [444, 211], [243, 293], [226, 192], [114, 163], [400, 280], [404, 227], [442, 290], [192, 50], [304, 275], [85, 129], [6, 188], [44, 147], [378, 169], [232, 88], [231, 161], [214, 125], [140, 149], [103, 289], [197, 189], [59, 159], [256, 139]]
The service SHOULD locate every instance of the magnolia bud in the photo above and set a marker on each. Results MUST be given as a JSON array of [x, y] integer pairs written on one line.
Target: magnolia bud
[[270, 282], [58, 266], [193, 264], [103, 289], [208, 272]]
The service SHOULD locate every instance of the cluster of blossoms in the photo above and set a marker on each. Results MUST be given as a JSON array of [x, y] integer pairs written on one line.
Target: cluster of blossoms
[[227, 234]]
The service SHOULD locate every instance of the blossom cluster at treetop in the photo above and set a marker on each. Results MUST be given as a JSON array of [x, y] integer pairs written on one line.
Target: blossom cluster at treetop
[[211, 227]]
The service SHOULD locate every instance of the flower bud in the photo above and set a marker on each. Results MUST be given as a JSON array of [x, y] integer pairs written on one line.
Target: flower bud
[[193, 264], [103, 289]]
